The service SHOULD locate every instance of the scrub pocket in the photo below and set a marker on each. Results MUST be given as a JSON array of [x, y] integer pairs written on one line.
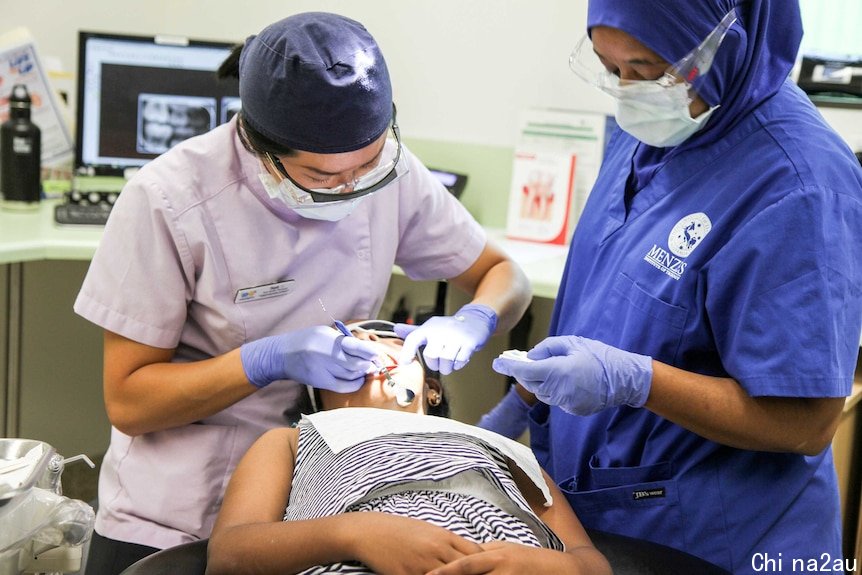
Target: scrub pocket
[[634, 315], [641, 502], [654, 503], [176, 477]]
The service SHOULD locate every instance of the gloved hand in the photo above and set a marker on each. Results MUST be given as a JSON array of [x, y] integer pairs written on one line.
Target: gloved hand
[[449, 340], [509, 416], [318, 356], [580, 375]]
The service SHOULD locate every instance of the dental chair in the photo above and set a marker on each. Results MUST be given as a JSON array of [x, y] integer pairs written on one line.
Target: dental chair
[[184, 559], [627, 556]]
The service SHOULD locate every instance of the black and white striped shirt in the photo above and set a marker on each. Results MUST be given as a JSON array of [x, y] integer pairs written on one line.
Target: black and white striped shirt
[[452, 480]]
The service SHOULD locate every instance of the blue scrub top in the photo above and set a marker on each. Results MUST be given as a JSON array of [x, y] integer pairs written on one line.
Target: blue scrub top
[[739, 259]]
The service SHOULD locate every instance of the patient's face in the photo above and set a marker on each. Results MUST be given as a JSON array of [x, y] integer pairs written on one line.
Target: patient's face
[[377, 392]]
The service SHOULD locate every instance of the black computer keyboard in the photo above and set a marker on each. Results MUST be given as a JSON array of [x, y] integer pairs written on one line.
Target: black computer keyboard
[[86, 207], [82, 214]]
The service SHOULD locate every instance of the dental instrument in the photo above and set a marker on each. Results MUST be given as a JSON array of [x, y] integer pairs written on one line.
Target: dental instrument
[[403, 396]]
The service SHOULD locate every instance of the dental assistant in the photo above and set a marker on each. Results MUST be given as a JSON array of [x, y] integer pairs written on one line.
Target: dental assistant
[[208, 276], [707, 326]]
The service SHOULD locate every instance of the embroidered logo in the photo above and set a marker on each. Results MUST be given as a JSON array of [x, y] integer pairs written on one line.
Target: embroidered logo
[[688, 233], [684, 237]]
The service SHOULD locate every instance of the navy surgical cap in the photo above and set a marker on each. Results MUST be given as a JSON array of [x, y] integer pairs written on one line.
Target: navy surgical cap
[[315, 82]]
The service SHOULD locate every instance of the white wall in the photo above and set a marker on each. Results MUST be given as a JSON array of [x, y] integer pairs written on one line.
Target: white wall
[[847, 122], [462, 69]]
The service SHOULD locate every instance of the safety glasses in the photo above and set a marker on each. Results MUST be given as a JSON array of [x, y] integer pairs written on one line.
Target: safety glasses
[[585, 63], [379, 327], [380, 175]]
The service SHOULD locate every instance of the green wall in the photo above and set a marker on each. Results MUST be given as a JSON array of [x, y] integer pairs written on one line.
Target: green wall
[[489, 169]]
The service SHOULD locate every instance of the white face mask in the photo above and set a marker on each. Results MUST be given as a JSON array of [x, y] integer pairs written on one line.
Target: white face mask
[[658, 115], [305, 206]]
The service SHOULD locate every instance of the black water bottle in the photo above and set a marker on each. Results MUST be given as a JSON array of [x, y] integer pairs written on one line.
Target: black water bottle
[[20, 153]]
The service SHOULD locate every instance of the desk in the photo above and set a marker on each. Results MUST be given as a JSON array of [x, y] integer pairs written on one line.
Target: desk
[[32, 236], [44, 343], [542, 263]]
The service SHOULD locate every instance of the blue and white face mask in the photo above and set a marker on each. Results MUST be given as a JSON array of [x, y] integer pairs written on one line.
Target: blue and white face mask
[[658, 115]]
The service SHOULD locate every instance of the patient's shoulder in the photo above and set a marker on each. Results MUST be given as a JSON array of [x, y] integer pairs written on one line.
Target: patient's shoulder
[[278, 438]]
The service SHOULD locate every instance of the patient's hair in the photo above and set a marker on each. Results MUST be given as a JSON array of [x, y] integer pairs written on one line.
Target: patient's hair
[[442, 409]]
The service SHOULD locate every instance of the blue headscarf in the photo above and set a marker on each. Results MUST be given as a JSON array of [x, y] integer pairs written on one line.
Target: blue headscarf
[[752, 63]]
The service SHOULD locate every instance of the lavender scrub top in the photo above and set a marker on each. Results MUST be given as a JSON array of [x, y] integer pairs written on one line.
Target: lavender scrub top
[[197, 257]]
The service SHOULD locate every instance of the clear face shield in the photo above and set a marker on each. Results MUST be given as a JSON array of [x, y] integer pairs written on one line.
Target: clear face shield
[[387, 169], [586, 64]]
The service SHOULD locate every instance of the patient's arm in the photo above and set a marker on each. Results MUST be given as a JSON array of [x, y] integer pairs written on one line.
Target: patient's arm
[[562, 520], [580, 557], [250, 537]]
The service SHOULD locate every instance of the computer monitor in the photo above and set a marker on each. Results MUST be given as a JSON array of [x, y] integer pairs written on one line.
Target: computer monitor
[[139, 95], [452, 181]]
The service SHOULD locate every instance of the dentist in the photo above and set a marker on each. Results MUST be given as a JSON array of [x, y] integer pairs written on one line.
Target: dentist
[[207, 279]]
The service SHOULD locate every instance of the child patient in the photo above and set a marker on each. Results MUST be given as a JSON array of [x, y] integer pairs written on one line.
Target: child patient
[[384, 488]]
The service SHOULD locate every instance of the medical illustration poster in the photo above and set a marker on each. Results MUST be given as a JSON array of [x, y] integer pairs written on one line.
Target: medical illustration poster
[[20, 64], [540, 203], [556, 162]]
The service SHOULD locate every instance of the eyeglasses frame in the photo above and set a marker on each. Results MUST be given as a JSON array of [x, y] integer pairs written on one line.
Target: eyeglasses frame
[[323, 197]]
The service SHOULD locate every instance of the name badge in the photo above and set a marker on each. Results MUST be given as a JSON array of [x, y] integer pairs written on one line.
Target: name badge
[[264, 292]]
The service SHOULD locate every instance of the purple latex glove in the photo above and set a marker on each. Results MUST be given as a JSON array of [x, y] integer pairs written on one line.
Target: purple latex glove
[[449, 340], [317, 356], [509, 417], [580, 375]]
